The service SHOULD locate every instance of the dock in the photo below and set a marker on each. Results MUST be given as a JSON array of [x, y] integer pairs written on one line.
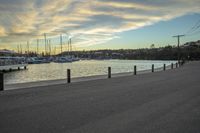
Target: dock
[[13, 67], [12, 63], [165, 101]]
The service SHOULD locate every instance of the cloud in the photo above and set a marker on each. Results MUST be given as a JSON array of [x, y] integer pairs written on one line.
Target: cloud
[[90, 22], [2, 31]]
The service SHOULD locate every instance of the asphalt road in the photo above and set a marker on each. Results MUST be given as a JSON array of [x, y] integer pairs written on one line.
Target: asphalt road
[[161, 102]]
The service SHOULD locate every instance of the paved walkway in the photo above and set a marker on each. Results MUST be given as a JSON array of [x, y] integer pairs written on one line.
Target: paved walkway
[[161, 102]]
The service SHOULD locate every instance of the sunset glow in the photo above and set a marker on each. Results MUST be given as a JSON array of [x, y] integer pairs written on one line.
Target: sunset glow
[[94, 24]]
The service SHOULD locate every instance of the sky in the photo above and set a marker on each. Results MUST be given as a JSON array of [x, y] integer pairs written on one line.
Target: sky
[[97, 24]]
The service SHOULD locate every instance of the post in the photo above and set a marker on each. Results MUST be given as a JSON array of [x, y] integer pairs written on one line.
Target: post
[[109, 72], [176, 65], [152, 68], [172, 66], [135, 70], [164, 67], [178, 37], [68, 76], [1, 82]]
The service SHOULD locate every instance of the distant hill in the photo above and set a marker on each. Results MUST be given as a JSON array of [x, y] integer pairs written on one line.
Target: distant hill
[[188, 51]]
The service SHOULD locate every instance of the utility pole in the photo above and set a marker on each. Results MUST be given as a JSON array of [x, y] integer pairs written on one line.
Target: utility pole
[[178, 37]]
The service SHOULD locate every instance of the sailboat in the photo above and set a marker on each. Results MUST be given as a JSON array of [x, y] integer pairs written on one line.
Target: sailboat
[[73, 58], [63, 59]]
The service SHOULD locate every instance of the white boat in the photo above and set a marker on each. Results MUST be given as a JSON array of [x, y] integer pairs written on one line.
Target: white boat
[[63, 59], [37, 60]]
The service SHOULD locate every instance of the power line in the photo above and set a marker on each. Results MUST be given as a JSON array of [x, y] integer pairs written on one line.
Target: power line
[[194, 28], [195, 33]]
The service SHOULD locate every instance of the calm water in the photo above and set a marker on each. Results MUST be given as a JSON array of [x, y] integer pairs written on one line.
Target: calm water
[[39, 72]]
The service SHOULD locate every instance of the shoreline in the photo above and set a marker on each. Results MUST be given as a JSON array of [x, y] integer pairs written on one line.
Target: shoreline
[[165, 101], [77, 79]]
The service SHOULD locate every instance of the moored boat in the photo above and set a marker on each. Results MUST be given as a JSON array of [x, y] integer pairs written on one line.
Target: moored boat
[[12, 63]]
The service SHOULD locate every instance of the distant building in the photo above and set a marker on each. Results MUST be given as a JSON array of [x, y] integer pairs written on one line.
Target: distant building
[[5, 52], [192, 44], [98, 53]]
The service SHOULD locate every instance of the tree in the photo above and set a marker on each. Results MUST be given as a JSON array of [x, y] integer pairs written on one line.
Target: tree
[[152, 46]]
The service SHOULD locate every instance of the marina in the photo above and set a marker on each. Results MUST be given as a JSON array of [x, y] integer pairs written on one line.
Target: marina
[[82, 68], [99, 66], [12, 63]]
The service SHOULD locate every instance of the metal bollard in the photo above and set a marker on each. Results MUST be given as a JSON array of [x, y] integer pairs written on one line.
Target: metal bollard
[[68, 76], [172, 66], [1, 82], [109, 72], [135, 70], [164, 67], [152, 70]]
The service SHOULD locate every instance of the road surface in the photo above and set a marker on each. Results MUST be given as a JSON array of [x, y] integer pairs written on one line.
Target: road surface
[[160, 102]]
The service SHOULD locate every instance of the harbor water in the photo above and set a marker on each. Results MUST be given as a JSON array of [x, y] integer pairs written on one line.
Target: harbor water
[[83, 68]]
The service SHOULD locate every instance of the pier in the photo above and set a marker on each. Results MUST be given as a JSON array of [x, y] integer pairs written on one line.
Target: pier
[[12, 63], [13, 67], [165, 101]]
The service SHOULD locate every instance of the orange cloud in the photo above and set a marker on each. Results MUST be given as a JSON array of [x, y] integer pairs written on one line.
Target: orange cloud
[[2, 31], [100, 20]]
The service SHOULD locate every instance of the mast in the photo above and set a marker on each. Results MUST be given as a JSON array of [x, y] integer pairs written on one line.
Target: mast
[[61, 44], [68, 47], [70, 44], [37, 46], [49, 47], [54, 50], [28, 47], [20, 48], [45, 41]]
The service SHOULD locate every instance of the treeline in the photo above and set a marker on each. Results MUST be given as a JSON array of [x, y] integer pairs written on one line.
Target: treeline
[[188, 51], [191, 52]]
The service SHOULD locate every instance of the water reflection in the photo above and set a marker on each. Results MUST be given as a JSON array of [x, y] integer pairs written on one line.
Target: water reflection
[[39, 72]]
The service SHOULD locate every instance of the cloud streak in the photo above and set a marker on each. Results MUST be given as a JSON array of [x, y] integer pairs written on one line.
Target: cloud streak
[[91, 22]]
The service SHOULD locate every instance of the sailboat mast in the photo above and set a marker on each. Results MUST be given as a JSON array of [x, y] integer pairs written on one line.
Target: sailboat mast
[[68, 47], [28, 47], [45, 41], [50, 47], [70, 44], [61, 43], [37, 46], [20, 48]]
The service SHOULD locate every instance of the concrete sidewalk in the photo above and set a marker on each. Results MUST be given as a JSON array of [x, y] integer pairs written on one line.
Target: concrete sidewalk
[[154, 102]]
